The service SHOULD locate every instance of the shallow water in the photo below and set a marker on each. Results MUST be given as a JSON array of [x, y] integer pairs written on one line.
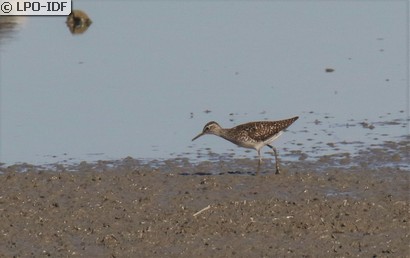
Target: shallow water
[[143, 83], [390, 155]]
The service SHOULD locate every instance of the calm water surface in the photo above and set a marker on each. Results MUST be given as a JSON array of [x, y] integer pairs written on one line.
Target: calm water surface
[[146, 77]]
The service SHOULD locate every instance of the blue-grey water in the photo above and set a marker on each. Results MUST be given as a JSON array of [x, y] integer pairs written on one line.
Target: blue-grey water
[[146, 76]]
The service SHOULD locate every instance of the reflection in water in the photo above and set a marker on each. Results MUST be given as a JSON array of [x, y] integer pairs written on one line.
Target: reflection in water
[[78, 22], [8, 25]]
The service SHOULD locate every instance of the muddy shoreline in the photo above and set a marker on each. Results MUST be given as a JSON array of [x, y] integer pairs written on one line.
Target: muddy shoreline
[[132, 210]]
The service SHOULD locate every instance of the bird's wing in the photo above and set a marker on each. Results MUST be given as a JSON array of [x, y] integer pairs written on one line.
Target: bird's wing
[[264, 130]]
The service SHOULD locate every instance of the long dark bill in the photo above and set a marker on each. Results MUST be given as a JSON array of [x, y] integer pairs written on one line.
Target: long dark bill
[[196, 137]]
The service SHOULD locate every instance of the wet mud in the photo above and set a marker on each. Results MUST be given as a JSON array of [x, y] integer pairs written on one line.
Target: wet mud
[[128, 208]]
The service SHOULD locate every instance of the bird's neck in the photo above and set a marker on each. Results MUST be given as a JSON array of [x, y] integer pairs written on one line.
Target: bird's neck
[[226, 134]]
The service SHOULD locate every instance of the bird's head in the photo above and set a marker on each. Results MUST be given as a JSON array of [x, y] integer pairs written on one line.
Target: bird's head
[[210, 128]]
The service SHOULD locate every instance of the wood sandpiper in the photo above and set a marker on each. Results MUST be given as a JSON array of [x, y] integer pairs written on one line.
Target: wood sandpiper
[[252, 135]]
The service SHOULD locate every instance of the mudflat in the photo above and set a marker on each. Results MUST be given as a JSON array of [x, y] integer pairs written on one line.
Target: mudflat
[[131, 210]]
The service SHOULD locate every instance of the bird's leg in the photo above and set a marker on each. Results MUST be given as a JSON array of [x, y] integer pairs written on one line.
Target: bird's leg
[[276, 158], [259, 156], [259, 161]]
